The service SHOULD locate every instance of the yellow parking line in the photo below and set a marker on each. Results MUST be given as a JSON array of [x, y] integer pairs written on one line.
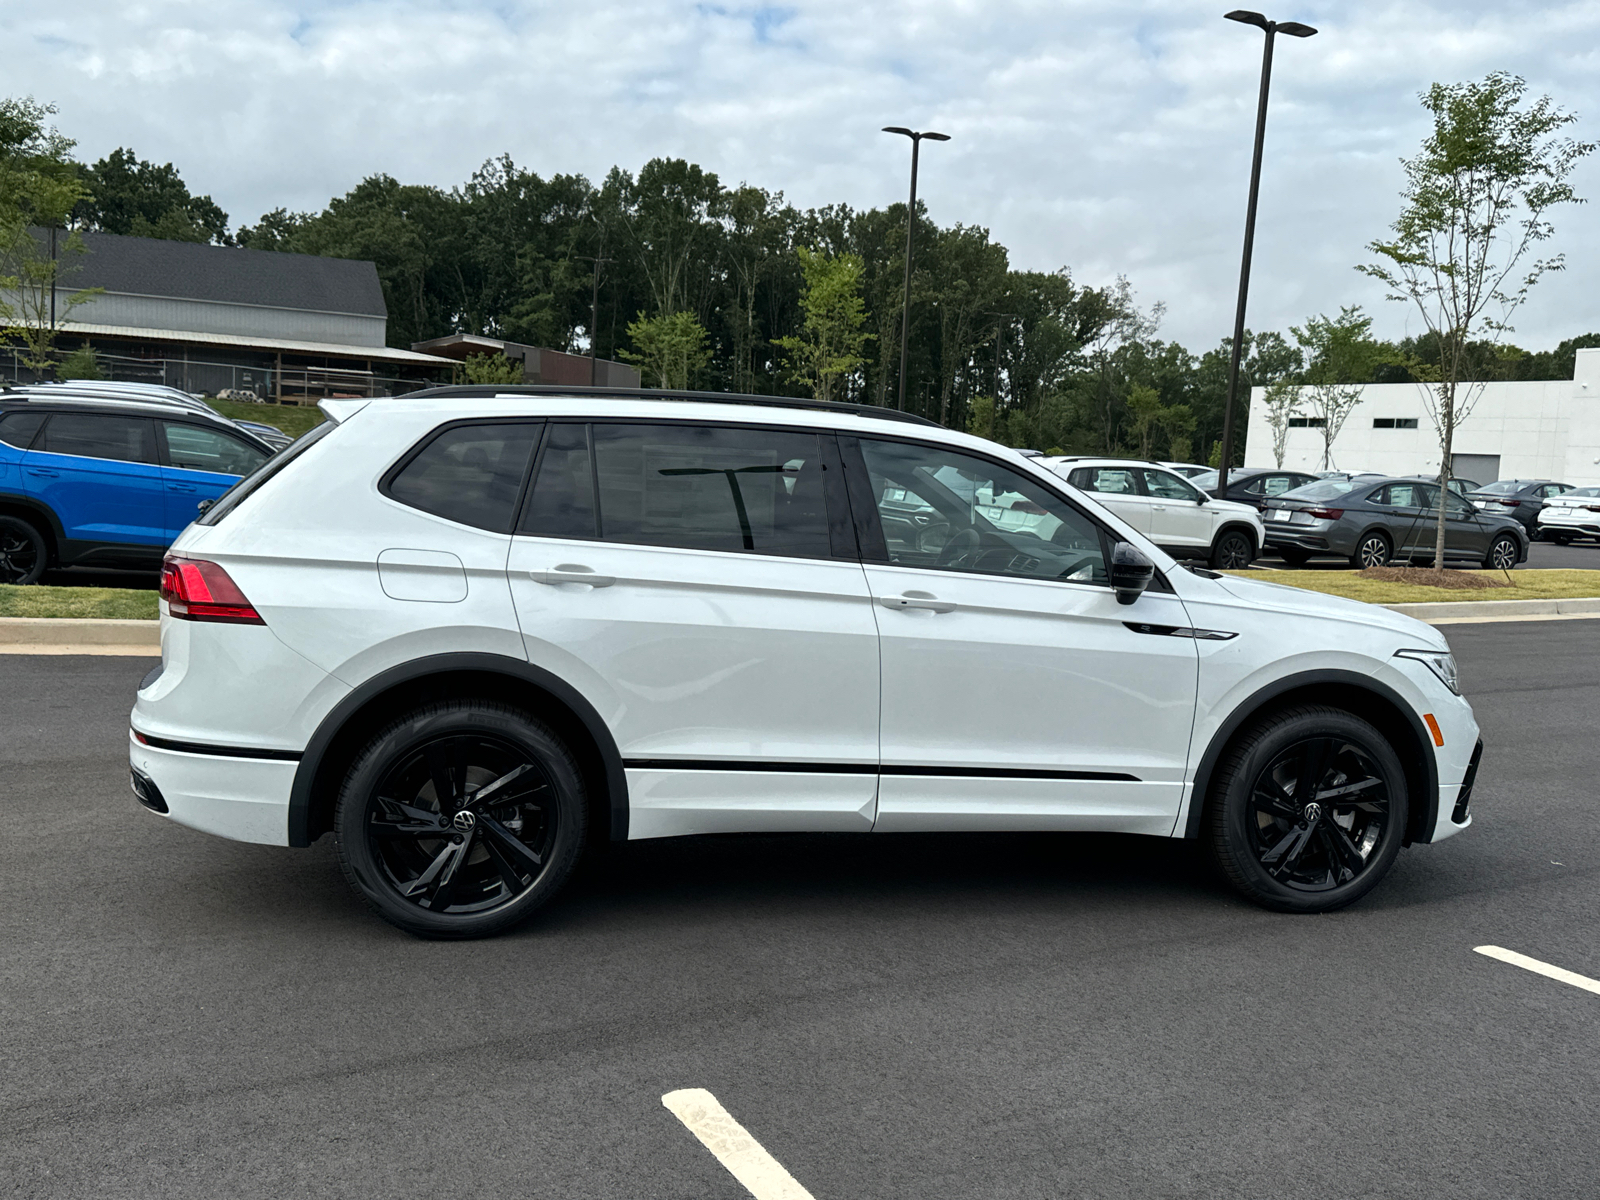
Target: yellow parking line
[[762, 1175], [1541, 968]]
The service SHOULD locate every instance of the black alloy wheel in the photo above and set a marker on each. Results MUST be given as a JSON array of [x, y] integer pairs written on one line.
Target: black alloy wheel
[[23, 554], [1233, 551], [460, 819], [1502, 554], [1309, 811], [1561, 539], [1372, 551]]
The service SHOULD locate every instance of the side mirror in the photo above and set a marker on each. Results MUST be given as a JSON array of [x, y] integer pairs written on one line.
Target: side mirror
[[204, 506], [1131, 572]]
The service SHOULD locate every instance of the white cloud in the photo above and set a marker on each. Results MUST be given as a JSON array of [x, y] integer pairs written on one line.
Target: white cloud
[[1111, 137]]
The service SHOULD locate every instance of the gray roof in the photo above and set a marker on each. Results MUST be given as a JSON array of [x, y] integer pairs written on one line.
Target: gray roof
[[188, 271]]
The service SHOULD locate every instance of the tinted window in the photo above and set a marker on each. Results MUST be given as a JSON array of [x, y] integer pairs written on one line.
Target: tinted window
[[703, 488], [562, 503], [1454, 505], [1401, 495], [995, 521], [1504, 486], [17, 429], [100, 435], [471, 474], [1277, 485], [1115, 480], [1166, 486], [1321, 489], [195, 448]]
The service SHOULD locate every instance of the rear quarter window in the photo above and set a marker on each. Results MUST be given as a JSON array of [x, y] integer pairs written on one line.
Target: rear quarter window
[[471, 474], [17, 428]]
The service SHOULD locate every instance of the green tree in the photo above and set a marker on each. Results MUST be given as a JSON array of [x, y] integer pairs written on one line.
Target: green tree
[[828, 347], [490, 368], [1144, 415], [1475, 204], [1341, 356], [82, 363], [1281, 400], [127, 195], [671, 349]]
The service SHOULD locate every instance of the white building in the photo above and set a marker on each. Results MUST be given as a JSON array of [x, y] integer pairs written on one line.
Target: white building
[[1547, 430]]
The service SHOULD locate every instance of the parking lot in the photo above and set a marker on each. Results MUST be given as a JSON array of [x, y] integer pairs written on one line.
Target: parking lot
[[934, 1016]]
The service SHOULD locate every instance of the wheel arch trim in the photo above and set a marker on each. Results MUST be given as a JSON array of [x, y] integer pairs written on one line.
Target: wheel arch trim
[[303, 792], [1424, 815]]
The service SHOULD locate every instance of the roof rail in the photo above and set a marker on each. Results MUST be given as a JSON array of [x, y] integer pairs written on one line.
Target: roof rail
[[612, 393]]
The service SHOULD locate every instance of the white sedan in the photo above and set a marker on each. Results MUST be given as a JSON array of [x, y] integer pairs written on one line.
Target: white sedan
[[1571, 515]]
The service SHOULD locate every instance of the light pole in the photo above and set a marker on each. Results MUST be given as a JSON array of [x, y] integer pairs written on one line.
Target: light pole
[[911, 224], [594, 309], [1271, 29]]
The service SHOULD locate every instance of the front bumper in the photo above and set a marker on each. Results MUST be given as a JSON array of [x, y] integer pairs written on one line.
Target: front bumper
[[246, 799]]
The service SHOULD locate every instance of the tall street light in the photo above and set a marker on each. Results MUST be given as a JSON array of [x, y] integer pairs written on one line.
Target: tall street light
[[911, 222], [1271, 29]]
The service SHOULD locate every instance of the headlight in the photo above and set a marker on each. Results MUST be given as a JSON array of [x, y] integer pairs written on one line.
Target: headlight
[[1441, 662]]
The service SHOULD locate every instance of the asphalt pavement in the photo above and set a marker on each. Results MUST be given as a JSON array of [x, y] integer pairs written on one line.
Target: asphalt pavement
[[892, 1017]]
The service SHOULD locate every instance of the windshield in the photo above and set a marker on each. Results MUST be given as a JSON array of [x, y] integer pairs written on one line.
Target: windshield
[[1580, 493], [1502, 486], [230, 499], [1205, 481], [1322, 489]]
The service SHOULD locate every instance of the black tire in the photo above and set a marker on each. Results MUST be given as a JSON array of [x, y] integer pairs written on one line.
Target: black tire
[[1503, 553], [1373, 550], [24, 554], [462, 868], [1561, 539], [1294, 558], [1232, 551], [1262, 826]]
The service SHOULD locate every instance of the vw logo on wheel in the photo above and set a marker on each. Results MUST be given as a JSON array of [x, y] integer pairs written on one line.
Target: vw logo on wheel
[[465, 820], [1313, 811]]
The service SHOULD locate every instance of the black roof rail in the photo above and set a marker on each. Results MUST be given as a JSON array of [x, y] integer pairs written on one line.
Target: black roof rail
[[484, 390]]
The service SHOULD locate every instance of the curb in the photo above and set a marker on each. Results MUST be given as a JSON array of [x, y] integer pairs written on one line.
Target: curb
[[1504, 610], [69, 635]]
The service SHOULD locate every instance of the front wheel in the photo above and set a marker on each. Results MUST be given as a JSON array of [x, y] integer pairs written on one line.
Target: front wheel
[[1372, 551], [1232, 551], [461, 818], [1502, 554], [1308, 811], [23, 554]]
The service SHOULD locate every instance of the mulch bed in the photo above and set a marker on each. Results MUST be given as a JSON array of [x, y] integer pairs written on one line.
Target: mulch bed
[[1428, 577]]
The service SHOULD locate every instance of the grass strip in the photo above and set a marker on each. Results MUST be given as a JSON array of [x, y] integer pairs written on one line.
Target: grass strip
[[293, 419], [1525, 585], [117, 604]]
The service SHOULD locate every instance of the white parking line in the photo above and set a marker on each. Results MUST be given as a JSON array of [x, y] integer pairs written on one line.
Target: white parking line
[[1541, 968], [762, 1175]]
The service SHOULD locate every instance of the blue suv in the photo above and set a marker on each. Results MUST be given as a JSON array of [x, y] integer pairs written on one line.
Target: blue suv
[[107, 483]]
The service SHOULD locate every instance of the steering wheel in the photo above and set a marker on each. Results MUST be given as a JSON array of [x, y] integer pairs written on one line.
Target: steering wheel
[[961, 550]]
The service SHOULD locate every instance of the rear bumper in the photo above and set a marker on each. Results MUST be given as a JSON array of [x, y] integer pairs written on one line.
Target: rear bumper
[[227, 794]]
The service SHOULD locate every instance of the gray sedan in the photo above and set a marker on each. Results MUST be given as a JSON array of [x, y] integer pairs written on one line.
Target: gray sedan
[[1371, 521]]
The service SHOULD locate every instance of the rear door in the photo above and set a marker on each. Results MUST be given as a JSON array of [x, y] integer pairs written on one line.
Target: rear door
[[98, 473], [1017, 692], [201, 463], [1402, 506], [699, 583]]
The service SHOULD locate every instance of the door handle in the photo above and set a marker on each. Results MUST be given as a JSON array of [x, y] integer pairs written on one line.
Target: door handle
[[1159, 507], [918, 600], [44, 472], [572, 573], [181, 487]]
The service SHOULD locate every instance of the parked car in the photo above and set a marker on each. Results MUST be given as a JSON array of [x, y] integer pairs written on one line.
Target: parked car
[[1169, 510], [1521, 499], [1252, 485], [154, 393], [470, 633], [107, 482], [1462, 487], [1187, 470], [1372, 521], [1350, 476], [1571, 515]]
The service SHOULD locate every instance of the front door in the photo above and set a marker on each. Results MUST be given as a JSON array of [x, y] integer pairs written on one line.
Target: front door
[[1119, 489], [699, 585], [1178, 515], [201, 464], [98, 473], [1017, 692]]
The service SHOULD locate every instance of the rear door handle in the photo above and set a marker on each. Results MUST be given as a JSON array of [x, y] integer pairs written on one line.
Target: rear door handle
[[572, 573], [918, 600], [181, 487], [44, 472]]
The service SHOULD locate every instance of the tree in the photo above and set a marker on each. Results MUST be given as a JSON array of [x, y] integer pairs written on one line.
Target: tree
[[1178, 421], [490, 368], [1280, 401], [1338, 350], [82, 363], [39, 186], [1144, 414], [672, 349], [1475, 204], [127, 195], [831, 339]]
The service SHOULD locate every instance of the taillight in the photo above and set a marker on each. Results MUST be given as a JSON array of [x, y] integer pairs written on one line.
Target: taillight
[[1326, 514], [1511, 503], [197, 590]]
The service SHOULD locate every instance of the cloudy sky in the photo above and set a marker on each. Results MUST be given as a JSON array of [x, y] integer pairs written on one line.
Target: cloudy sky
[[1111, 137]]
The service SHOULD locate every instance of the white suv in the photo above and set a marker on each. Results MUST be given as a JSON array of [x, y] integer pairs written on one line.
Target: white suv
[[1168, 509], [472, 630]]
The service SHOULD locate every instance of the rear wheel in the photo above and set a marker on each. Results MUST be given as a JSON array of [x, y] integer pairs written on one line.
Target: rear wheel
[[1308, 811], [1502, 554], [1373, 550], [460, 819], [1232, 551], [23, 553], [1561, 539]]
